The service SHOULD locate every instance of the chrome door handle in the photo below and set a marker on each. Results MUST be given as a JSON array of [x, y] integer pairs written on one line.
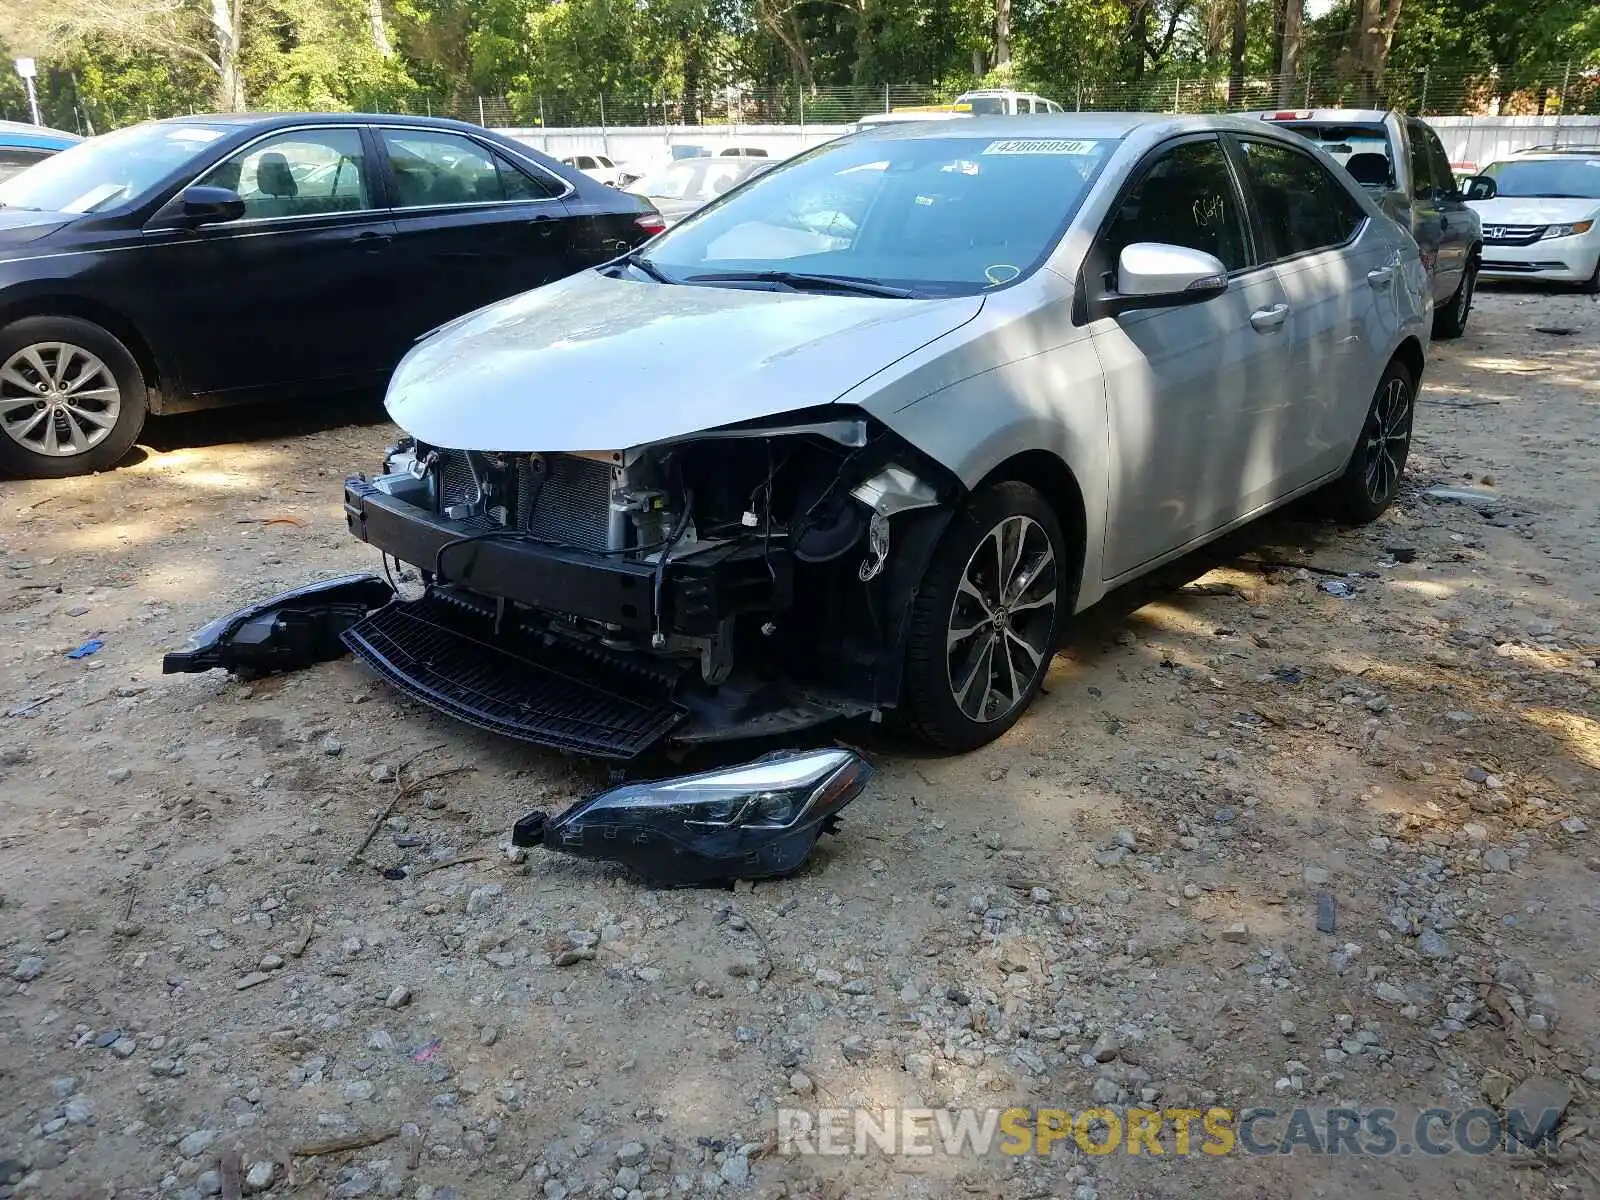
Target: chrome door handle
[[1381, 277], [1266, 320]]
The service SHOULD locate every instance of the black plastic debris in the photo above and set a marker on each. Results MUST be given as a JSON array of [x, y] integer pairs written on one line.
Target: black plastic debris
[[755, 821], [1327, 921], [287, 632]]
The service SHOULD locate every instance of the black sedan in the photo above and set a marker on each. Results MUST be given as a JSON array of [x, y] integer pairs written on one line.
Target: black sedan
[[220, 259]]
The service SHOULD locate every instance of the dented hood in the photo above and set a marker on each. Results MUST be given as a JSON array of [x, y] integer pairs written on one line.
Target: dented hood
[[596, 363]]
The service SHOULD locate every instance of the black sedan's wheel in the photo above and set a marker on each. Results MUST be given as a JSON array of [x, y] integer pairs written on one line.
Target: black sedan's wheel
[[986, 619], [72, 399], [1372, 480], [1451, 321]]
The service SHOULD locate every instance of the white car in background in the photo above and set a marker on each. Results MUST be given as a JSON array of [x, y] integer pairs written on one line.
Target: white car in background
[[1541, 216], [597, 167]]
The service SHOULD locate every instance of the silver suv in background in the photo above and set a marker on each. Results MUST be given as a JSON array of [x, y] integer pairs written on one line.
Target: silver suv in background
[[1403, 164]]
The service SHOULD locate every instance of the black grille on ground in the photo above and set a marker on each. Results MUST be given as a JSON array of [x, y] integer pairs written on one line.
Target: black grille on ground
[[565, 696]]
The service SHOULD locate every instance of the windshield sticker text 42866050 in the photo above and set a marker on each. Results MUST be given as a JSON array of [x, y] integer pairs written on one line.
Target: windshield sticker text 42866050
[[1040, 146]]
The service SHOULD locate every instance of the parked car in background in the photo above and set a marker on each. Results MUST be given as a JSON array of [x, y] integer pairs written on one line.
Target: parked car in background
[[1540, 210], [1039, 359], [742, 152], [687, 150], [598, 167], [214, 259], [23, 145], [1002, 102], [681, 188], [1402, 162]]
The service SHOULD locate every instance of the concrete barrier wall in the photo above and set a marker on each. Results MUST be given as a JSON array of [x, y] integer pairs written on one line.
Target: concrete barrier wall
[[1477, 140], [1481, 140]]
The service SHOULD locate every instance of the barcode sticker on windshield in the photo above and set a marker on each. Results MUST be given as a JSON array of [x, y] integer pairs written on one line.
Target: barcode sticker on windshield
[[1039, 146]]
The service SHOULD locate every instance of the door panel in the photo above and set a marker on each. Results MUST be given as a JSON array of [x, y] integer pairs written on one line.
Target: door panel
[[471, 227], [1194, 395], [1192, 390], [1430, 220], [1312, 229], [286, 295]]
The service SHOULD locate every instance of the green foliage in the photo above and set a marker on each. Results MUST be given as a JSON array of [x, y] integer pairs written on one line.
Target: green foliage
[[560, 60]]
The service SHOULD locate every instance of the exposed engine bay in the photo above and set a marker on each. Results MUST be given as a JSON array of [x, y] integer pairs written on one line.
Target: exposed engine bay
[[730, 583]]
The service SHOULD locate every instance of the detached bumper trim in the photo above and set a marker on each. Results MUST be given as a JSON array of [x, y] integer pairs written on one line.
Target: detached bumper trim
[[613, 590]]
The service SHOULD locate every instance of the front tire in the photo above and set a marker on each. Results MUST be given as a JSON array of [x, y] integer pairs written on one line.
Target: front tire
[[72, 398], [1451, 321], [987, 618], [1371, 481]]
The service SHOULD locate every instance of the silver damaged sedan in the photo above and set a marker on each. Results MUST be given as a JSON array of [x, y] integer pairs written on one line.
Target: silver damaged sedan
[[858, 438]]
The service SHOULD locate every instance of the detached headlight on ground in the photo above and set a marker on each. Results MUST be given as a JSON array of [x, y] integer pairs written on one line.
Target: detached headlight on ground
[[748, 822]]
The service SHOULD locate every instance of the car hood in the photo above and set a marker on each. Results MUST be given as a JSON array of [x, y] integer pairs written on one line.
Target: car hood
[[597, 363], [19, 226], [1533, 210]]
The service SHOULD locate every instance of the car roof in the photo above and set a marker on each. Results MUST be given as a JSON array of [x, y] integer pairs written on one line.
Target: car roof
[[1059, 125], [267, 120], [1323, 116], [20, 133], [1555, 151]]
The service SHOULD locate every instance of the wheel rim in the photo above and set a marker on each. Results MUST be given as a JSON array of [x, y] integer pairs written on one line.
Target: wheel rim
[[1001, 621], [58, 399], [1388, 437]]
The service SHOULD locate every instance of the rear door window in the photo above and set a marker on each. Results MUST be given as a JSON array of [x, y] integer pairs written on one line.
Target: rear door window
[[1300, 207], [1425, 181], [432, 168]]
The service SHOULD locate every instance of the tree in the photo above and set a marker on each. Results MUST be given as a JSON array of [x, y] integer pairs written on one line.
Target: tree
[[1288, 50], [207, 31], [1370, 41], [1241, 16]]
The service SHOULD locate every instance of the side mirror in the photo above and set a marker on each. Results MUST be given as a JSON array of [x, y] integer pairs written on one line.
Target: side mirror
[[1156, 275], [209, 205], [1482, 187]]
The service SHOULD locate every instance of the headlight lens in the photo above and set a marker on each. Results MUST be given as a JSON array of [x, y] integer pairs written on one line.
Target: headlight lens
[[1572, 229], [745, 822]]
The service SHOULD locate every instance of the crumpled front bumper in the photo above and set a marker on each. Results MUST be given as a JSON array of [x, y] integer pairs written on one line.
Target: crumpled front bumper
[[603, 588]]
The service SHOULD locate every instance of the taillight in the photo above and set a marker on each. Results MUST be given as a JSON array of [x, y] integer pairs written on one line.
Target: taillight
[[651, 222], [1304, 115]]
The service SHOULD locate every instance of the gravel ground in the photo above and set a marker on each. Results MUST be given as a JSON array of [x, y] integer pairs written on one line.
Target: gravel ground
[[1117, 904]]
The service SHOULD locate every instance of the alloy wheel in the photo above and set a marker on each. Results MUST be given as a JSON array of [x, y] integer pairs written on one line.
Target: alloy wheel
[[1386, 439], [998, 638], [58, 399]]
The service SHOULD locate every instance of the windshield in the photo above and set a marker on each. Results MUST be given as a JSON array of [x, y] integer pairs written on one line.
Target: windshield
[[697, 179], [107, 170], [933, 215], [987, 106], [1578, 177]]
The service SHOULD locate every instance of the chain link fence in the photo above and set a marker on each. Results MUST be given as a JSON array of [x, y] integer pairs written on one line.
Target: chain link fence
[[1568, 90]]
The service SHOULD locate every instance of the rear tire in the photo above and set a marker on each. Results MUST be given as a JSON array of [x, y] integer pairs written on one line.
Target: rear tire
[[1451, 321], [987, 618], [1371, 481], [72, 398]]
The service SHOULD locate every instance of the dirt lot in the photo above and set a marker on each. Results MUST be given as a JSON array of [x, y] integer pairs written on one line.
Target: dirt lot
[[1116, 904]]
